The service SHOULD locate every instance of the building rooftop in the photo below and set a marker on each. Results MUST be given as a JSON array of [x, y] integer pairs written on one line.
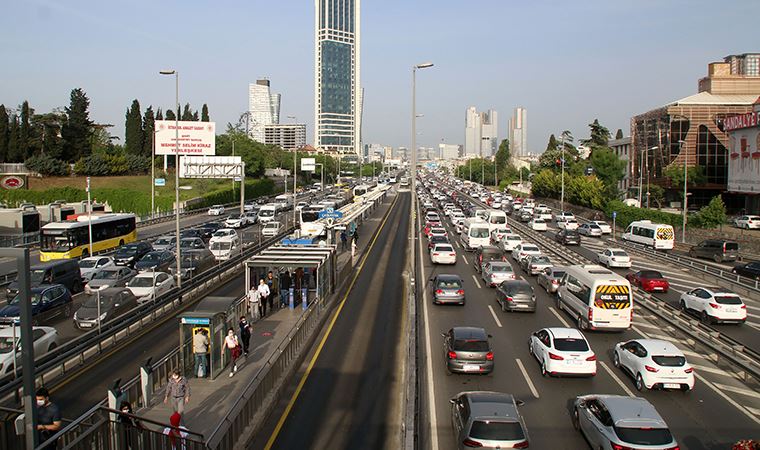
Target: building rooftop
[[706, 98]]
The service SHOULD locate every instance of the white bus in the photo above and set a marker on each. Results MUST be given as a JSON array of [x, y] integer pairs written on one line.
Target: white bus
[[475, 234], [309, 220], [596, 298], [656, 235]]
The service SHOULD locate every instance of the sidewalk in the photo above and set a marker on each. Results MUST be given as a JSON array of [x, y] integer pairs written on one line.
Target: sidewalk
[[210, 400]]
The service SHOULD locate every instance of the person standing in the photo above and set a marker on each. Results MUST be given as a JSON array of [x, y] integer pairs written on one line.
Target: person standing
[[130, 426], [284, 288], [272, 283], [263, 291], [232, 344], [343, 240], [356, 235], [245, 334], [176, 432], [177, 392], [48, 417], [200, 350], [253, 302]]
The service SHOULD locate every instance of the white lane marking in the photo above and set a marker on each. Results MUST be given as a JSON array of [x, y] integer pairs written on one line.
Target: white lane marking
[[727, 398], [429, 363], [465, 260], [708, 369], [737, 390], [476, 281], [644, 335], [754, 411], [616, 378], [527, 378], [498, 323], [559, 316]]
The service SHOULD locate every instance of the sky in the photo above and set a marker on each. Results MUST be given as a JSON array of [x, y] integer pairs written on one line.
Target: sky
[[567, 62]]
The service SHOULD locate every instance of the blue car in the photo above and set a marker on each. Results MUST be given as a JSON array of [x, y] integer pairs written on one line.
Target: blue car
[[50, 303]]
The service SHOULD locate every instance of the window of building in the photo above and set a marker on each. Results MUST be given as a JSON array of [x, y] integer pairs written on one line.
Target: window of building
[[712, 155]]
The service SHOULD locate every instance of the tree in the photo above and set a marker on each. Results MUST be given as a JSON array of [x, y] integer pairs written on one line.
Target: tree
[[14, 148], [77, 129], [159, 114], [149, 127], [47, 133], [24, 136], [503, 158], [187, 114], [170, 115], [696, 176], [546, 184], [195, 116], [619, 134], [204, 113], [134, 137], [712, 215], [600, 136], [585, 191], [609, 168], [552, 144], [656, 195], [4, 134]]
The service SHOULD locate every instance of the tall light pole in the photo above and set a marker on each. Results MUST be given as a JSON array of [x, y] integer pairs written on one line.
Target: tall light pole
[[153, 177], [413, 168], [562, 162], [295, 121], [176, 172], [685, 181], [641, 173]]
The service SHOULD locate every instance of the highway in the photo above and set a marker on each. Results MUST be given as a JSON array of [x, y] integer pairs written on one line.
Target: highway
[[713, 416], [347, 393]]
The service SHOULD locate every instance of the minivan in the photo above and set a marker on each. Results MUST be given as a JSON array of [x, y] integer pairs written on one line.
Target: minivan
[[716, 249], [61, 271]]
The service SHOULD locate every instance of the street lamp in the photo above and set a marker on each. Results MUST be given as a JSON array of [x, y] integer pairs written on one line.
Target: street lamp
[[413, 168], [176, 171], [641, 173], [685, 181]]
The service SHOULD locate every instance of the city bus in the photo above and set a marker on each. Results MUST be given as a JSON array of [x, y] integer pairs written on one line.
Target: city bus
[[656, 235], [596, 297], [309, 220], [71, 238]]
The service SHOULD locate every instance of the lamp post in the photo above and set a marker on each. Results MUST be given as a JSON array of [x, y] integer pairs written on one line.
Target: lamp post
[[176, 171], [685, 181], [413, 168], [295, 121], [641, 174], [562, 162], [89, 215], [153, 177]]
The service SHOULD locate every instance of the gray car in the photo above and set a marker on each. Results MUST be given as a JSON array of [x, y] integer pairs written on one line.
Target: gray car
[[616, 421], [535, 264], [164, 243], [487, 420], [467, 350], [114, 302], [447, 289], [549, 278], [114, 276], [495, 272], [590, 229], [516, 295]]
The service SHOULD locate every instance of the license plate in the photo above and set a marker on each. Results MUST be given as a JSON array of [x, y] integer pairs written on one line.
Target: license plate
[[471, 368], [85, 324], [658, 288], [671, 385], [576, 362], [731, 310]]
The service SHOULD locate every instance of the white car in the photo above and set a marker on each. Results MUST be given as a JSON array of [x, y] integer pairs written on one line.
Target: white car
[[88, 266], [45, 339], [564, 215], [523, 250], [538, 224], [457, 217], [654, 364], [237, 221], [714, 305], [747, 222], [443, 254], [606, 228], [590, 229], [614, 257], [216, 210], [498, 234], [147, 286], [567, 224], [562, 351], [437, 231], [271, 229], [223, 234], [510, 241]]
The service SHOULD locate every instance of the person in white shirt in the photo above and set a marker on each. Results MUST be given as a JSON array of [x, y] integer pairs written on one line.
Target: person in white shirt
[[263, 290], [233, 345]]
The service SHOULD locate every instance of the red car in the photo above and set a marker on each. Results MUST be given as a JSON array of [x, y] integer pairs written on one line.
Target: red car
[[649, 280]]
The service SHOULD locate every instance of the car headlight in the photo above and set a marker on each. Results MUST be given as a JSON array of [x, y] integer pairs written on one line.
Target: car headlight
[[102, 316], [76, 315]]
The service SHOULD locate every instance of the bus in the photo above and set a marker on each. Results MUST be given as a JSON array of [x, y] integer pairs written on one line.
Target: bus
[[656, 235], [71, 238], [309, 220], [596, 298], [362, 190]]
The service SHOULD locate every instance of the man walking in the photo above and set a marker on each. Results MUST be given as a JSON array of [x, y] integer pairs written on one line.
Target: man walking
[[177, 392], [272, 283], [200, 349], [245, 334], [263, 291], [343, 240], [284, 288]]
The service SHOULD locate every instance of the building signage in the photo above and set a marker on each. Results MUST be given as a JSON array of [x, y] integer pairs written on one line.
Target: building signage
[[160, 181], [195, 138], [12, 182], [308, 164], [195, 320], [744, 160], [747, 120]]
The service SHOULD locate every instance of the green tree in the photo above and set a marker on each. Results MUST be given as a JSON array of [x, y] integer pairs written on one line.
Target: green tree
[[712, 215], [503, 158], [546, 184], [170, 115], [100, 140], [134, 137], [24, 136], [4, 134], [195, 116], [187, 114], [609, 168], [47, 133], [552, 144], [159, 114], [14, 147], [149, 127], [656, 195], [585, 191], [619, 134], [600, 136], [77, 129], [695, 174], [204, 113]]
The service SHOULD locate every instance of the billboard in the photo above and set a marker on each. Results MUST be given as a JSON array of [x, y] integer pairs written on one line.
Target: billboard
[[744, 160], [308, 164], [195, 138], [211, 167]]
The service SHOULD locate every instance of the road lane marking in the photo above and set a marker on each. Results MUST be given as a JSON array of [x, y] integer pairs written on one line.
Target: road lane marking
[[527, 378], [476, 281], [709, 369], [559, 316], [617, 379], [465, 260], [727, 398], [498, 323], [737, 390]]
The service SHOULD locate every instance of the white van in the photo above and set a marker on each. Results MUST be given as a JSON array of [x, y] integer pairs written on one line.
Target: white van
[[656, 235], [496, 219], [475, 234], [285, 200], [269, 212], [225, 248], [596, 298]]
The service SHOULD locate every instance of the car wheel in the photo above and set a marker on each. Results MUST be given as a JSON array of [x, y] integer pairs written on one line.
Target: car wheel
[[639, 383], [615, 359], [692, 254], [544, 373], [705, 318], [582, 324], [682, 305], [717, 258], [576, 420]]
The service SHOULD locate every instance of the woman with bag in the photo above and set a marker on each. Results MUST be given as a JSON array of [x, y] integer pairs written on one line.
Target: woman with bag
[[232, 344]]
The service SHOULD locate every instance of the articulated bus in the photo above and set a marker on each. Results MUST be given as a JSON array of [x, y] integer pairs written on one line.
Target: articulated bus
[[71, 238], [309, 220]]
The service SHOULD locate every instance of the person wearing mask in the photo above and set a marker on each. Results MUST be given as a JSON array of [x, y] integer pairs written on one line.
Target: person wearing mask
[[48, 417], [177, 392], [232, 344], [263, 290], [177, 433], [200, 350], [245, 334], [284, 288], [130, 426], [272, 283]]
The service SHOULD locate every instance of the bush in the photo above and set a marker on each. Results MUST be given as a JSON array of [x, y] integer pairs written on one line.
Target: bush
[[253, 189], [710, 216], [585, 191], [627, 214], [100, 164], [47, 165]]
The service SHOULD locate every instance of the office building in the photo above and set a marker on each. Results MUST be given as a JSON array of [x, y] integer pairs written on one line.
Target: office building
[[481, 132], [449, 151], [287, 136], [747, 64], [622, 148], [337, 88], [263, 109], [518, 132], [744, 158]]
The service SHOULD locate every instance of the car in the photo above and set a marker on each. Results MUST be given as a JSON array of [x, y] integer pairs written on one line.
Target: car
[[563, 215], [114, 302], [193, 262], [252, 217], [60, 271], [149, 286], [749, 270], [224, 234], [88, 266], [649, 280], [604, 226], [523, 250], [497, 234], [614, 257], [510, 241], [203, 231], [568, 237], [443, 253], [714, 305], [447, 288], [437, 240], [432, 217], [44, 339], [534, 264], [494, 272], [568, 224], [236, 221], [165, 243], [621, 422], [115, 276], [562, 351], [191, 243], [488, 420], [216, 210], [128, 255], [484, 254], [654, 364], [50, 302], [467, 350], [437, 231], [719, 250], [590, 229], [538, 224], [516, 295], [747, 222], [158, 261], [525, 215], [271, 229], [550, 277]]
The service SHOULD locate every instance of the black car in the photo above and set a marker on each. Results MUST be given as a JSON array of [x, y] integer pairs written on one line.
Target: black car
[[62, 271], [486, 253], [128, 255], [194, 262], [194, 233], [158, 261], [49, 302], [568, 237], [525, 216], [207, 230], [750, 270], [114, 302]]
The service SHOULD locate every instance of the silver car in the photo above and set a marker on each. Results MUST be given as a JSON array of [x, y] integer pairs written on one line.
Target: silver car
[[467, 350], [487, 420], [115, 276], [494, 272], [447, 289], [535, 264], [617, 421], [549, 278], [590, 229]]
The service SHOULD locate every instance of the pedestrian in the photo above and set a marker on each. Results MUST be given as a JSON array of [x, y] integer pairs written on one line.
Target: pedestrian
[[177, 433], [284, 288], [356, 234], [233, 346], [48, 418], [130, 425], [245, 334], [263, 290], [200, 350], [343, 239], [177, 392], [272, 283], [253, 302], [353, 248], [307, 282], [299, 283]]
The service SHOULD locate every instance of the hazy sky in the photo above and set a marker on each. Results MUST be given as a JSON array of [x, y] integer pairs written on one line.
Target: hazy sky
[[567, 62]]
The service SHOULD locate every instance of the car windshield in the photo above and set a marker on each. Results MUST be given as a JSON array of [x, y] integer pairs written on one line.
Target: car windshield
[[619, 253], [513, 238], [498, 219], [728, 299], [266, 213], [601, 224], [163, 241], [106, 275], [570, 345], [496, 431], [35, 299], [538, 220], [521, 289], [444, 248], [470, 345], [151, 257], [479, 233], [91, 301], [449, 284], [669, 361], [87, 263], [530, 248], [128, 251], [141, 282], [650, 274], [6, 344], [37, 276], [221, 245], [644, 436], [540, 260], [186, 243]]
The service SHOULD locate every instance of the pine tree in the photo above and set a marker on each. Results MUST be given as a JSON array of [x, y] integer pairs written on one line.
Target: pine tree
[[14, 145], [78, 128], [619, 134], [600, 136], [552, 144], [186, 113], [4, 134], [204, 113], [195, 116], [24, 136], [159, 114], [170, 115], [133, 130], [149, 126]]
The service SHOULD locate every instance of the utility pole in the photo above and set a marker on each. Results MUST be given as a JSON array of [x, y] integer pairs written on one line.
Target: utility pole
[[562, 161], [685, 194]]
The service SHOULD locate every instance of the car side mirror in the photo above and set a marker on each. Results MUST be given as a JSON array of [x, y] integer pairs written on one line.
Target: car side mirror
[[519, 402], [582, 404], [452, 401], [443, 334]]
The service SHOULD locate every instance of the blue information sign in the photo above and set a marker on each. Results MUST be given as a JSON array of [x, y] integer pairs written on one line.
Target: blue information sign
[[195, 320], [160, 182], [330, 213]]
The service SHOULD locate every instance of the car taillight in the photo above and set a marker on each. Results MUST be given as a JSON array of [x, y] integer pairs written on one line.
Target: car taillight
[[590, 315], [436, 254], [508, 298], [689, 370], [470, 443], [591, 358], [452, 355], [439, 291], [523, 444], [489, 356], [714, 305], [460, 292], [651, 369], [555, 282], [452, 254], [556, 357], [620, 447], [743, 307]]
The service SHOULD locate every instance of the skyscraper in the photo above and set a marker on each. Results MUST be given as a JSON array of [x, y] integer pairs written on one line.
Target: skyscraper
[[481, 132], [337, 92], [518, 132], [263, 109]]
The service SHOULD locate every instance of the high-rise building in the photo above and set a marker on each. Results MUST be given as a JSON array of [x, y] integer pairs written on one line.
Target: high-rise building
[[337, 92], [263, 109], [481, 132], [287, 136], [518, 132], [747, 64], [449, 151]]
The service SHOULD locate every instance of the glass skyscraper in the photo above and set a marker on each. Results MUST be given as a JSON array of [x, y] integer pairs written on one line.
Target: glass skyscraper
[[337, 95]]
